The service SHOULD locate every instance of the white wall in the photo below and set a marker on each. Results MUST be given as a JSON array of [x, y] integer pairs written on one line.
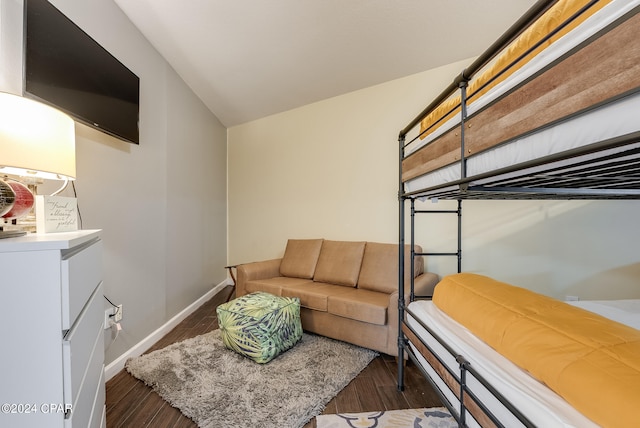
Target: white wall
[[559, 248], [196, 203], [161, 204], [330, 170]]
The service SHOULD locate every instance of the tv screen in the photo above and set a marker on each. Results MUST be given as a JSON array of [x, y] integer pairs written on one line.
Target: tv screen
[[66, 68]]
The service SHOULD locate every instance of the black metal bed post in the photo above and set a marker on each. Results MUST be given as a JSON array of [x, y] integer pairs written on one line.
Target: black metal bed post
[[400, 265], [463, 387], [459, 235], [463, 162], [412, 294], [463, 117]]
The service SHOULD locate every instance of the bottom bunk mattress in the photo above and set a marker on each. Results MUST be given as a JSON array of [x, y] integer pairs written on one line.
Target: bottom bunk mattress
[[539, 404]]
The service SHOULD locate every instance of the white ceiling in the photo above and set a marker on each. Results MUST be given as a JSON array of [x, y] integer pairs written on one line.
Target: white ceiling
[[247, 59]]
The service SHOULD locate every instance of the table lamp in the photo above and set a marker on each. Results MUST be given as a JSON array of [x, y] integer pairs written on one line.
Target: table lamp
[[37, 142]]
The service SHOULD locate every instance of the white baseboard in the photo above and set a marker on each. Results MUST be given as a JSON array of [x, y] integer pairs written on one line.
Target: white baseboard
[[117, 365]]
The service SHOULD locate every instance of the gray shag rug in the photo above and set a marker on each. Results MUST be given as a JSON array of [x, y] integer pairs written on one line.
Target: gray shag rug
[[217, 387]]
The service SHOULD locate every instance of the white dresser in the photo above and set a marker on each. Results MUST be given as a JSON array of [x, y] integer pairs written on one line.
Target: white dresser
[[51, 318]]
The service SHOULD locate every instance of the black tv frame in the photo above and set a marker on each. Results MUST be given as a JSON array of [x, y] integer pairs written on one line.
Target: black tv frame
[[66, 68]]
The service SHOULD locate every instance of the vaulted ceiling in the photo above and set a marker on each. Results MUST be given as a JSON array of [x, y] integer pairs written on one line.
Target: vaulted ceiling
[[247, 59]]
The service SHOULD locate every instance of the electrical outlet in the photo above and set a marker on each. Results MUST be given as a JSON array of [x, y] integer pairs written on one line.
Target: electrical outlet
[[108, 317], [118, 314], [571, 298]]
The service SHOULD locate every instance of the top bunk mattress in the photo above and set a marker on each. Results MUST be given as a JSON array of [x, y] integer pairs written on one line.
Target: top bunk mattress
[[599, 122]]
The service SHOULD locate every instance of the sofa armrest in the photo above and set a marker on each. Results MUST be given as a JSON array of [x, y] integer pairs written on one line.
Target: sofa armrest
[[423, 284], [256, 270]]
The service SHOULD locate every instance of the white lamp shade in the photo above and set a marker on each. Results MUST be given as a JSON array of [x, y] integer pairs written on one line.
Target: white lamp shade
[[35, 140]]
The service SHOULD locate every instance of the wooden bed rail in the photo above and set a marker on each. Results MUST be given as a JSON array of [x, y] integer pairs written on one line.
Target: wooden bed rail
[[457, 383], [540, 7], [454, 384], [552, 162], [590, 76]]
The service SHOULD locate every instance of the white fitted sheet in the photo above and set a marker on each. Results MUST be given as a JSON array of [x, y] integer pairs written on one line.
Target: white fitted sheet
[[623, 311], [538, 403], [611, 120]]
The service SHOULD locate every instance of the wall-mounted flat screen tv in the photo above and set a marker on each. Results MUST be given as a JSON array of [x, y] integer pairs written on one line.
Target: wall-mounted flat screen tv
[[66, 68]]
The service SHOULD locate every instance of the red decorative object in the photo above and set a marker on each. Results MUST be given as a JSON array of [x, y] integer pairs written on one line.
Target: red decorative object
[[24, 200], [7, 197]]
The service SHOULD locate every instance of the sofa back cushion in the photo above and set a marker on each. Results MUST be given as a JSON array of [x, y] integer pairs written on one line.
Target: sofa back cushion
[[380, 267], [300, 258], [339, 262]]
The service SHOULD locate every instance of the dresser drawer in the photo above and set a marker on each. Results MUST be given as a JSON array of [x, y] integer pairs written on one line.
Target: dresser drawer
[[83, 351], [81, 273], [91, 389], [99, 412], [94, 415]]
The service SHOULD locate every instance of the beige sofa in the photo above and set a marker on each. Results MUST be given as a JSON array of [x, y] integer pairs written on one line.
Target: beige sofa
[[348, 290]]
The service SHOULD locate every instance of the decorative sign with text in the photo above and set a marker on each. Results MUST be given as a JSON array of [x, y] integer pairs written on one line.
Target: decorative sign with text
[[56, 214]]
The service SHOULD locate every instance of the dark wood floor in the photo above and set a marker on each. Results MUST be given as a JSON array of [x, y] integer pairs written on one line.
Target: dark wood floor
[[130, 403]]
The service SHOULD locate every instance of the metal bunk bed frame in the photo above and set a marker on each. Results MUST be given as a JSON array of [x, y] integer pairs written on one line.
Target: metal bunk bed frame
[[549, 177]]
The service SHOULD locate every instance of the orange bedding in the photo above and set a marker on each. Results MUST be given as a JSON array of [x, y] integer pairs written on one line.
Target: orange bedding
[[590, 361], [548, 22]]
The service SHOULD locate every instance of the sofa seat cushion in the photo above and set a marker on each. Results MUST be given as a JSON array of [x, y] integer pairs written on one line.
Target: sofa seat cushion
[[274, 285], [300, 258], [360, 305], [339, 262], [315, 295]]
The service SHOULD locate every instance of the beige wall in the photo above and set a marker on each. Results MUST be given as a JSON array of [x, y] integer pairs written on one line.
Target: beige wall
[[329, 170]]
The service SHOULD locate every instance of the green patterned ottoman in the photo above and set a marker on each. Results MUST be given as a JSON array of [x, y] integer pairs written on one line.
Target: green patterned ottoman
[[260, 325]]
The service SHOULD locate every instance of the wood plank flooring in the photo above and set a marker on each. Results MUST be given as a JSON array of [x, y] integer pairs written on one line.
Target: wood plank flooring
[[130, 403]]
